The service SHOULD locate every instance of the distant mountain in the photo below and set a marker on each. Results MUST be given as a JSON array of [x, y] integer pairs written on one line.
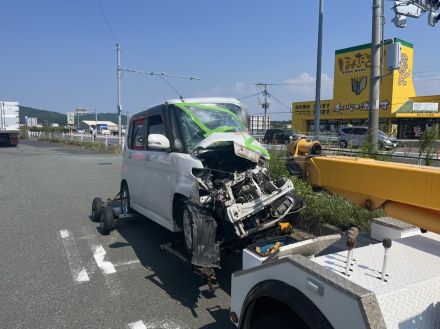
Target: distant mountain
[[48, 117]]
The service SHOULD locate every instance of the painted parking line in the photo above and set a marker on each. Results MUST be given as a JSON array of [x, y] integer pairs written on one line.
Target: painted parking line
[[137, 325], [161, 324], [99, 255], [102, 262], [78, 271]]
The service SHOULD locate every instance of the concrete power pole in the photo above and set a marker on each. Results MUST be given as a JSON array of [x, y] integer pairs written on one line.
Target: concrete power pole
[[265, 106], [373, 114], [119, 75], [318, 72]]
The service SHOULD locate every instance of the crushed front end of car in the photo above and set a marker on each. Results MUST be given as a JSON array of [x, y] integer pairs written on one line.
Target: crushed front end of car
[[235, 197]]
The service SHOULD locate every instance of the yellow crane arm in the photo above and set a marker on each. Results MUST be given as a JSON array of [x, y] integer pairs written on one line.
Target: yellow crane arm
[[407, 192]]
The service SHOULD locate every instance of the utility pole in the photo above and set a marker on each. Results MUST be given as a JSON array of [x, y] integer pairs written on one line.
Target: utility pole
[[265, 106], [373, 112], [318, 72], [119, 75]]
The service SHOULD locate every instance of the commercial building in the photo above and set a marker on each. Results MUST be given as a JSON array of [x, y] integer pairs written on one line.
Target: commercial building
[[401, 113]]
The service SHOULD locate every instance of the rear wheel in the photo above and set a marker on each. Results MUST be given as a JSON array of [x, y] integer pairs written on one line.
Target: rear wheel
[[343, 144], [107, 221], [125, 199], [96, 209]]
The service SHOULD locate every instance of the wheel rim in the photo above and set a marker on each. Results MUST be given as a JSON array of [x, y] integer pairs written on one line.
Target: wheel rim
[[187, 229], [124, 201], [101, 223]]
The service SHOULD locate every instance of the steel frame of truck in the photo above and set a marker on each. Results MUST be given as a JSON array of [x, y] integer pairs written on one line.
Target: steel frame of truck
[[382, 286]]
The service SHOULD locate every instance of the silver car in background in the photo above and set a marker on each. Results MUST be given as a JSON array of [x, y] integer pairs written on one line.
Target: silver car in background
[[357, 136]]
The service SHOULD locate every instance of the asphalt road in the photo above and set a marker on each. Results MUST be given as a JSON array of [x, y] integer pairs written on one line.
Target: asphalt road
[[58, 271]]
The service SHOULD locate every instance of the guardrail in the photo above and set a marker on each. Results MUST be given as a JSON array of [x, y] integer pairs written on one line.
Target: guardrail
[[102, 139]]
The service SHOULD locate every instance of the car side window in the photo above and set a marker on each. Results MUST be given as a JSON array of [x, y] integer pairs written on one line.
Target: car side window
[[156, 126], [347, 130], [359, 131], [138, 135]]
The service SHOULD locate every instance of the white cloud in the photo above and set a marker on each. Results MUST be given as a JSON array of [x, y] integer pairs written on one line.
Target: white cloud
[[303, 86]]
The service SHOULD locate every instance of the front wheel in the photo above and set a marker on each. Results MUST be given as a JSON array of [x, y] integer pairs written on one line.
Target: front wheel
[[279, 321], [343, 144], [188, 229]]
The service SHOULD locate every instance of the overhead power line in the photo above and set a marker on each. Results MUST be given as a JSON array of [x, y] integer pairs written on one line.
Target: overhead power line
[[107, 22]]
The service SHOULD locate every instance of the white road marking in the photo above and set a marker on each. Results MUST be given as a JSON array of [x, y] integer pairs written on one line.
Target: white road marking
[[79, 273], [82, 276], [137, 325], [64, 234], [161, 324], [99, 255], [112, 282]]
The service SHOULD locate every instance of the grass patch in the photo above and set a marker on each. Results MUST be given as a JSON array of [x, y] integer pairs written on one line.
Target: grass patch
[[322, 206]]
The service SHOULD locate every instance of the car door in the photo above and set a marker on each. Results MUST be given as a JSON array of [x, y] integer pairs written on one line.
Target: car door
[[358, 138], [134, 160], [161, 174]]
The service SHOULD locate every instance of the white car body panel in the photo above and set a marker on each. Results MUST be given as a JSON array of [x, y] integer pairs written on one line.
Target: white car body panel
[[166, 174]]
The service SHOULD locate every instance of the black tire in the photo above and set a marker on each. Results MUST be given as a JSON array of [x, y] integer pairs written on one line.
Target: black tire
[[343, 144], [107, 221], [278, 321], [125, 199], [96, 209]]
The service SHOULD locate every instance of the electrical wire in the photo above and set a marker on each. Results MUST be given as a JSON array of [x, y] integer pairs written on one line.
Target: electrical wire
[[171, 86], [248, 96], [107, 22], [278, 101]]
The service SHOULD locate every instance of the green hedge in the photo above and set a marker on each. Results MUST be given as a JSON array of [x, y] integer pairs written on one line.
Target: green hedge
[[322, 207]]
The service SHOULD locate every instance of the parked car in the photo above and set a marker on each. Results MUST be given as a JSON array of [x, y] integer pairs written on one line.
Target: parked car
[[190, 166], [80, 131], [278, 136], [105, 132], [357, 136]]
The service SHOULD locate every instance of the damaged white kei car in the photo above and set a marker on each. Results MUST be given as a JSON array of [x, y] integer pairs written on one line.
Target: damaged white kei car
[[190, 166]]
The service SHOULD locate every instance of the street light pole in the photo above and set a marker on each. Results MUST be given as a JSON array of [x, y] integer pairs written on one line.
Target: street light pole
[[373, 114], [318, 71]]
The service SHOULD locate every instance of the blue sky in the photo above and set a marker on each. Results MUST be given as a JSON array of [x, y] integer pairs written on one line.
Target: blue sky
[[60, 55]]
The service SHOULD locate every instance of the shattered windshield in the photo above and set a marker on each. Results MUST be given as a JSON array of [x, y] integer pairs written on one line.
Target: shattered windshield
[[201, 120]]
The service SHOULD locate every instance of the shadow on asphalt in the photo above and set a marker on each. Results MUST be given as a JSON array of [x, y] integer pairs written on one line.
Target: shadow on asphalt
[[170, 273]]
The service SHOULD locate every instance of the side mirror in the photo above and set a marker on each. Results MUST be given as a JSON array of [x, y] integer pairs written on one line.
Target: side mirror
[[158, 142]]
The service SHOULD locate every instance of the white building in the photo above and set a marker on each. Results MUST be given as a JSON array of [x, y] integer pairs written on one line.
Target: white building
[[88, 125]]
